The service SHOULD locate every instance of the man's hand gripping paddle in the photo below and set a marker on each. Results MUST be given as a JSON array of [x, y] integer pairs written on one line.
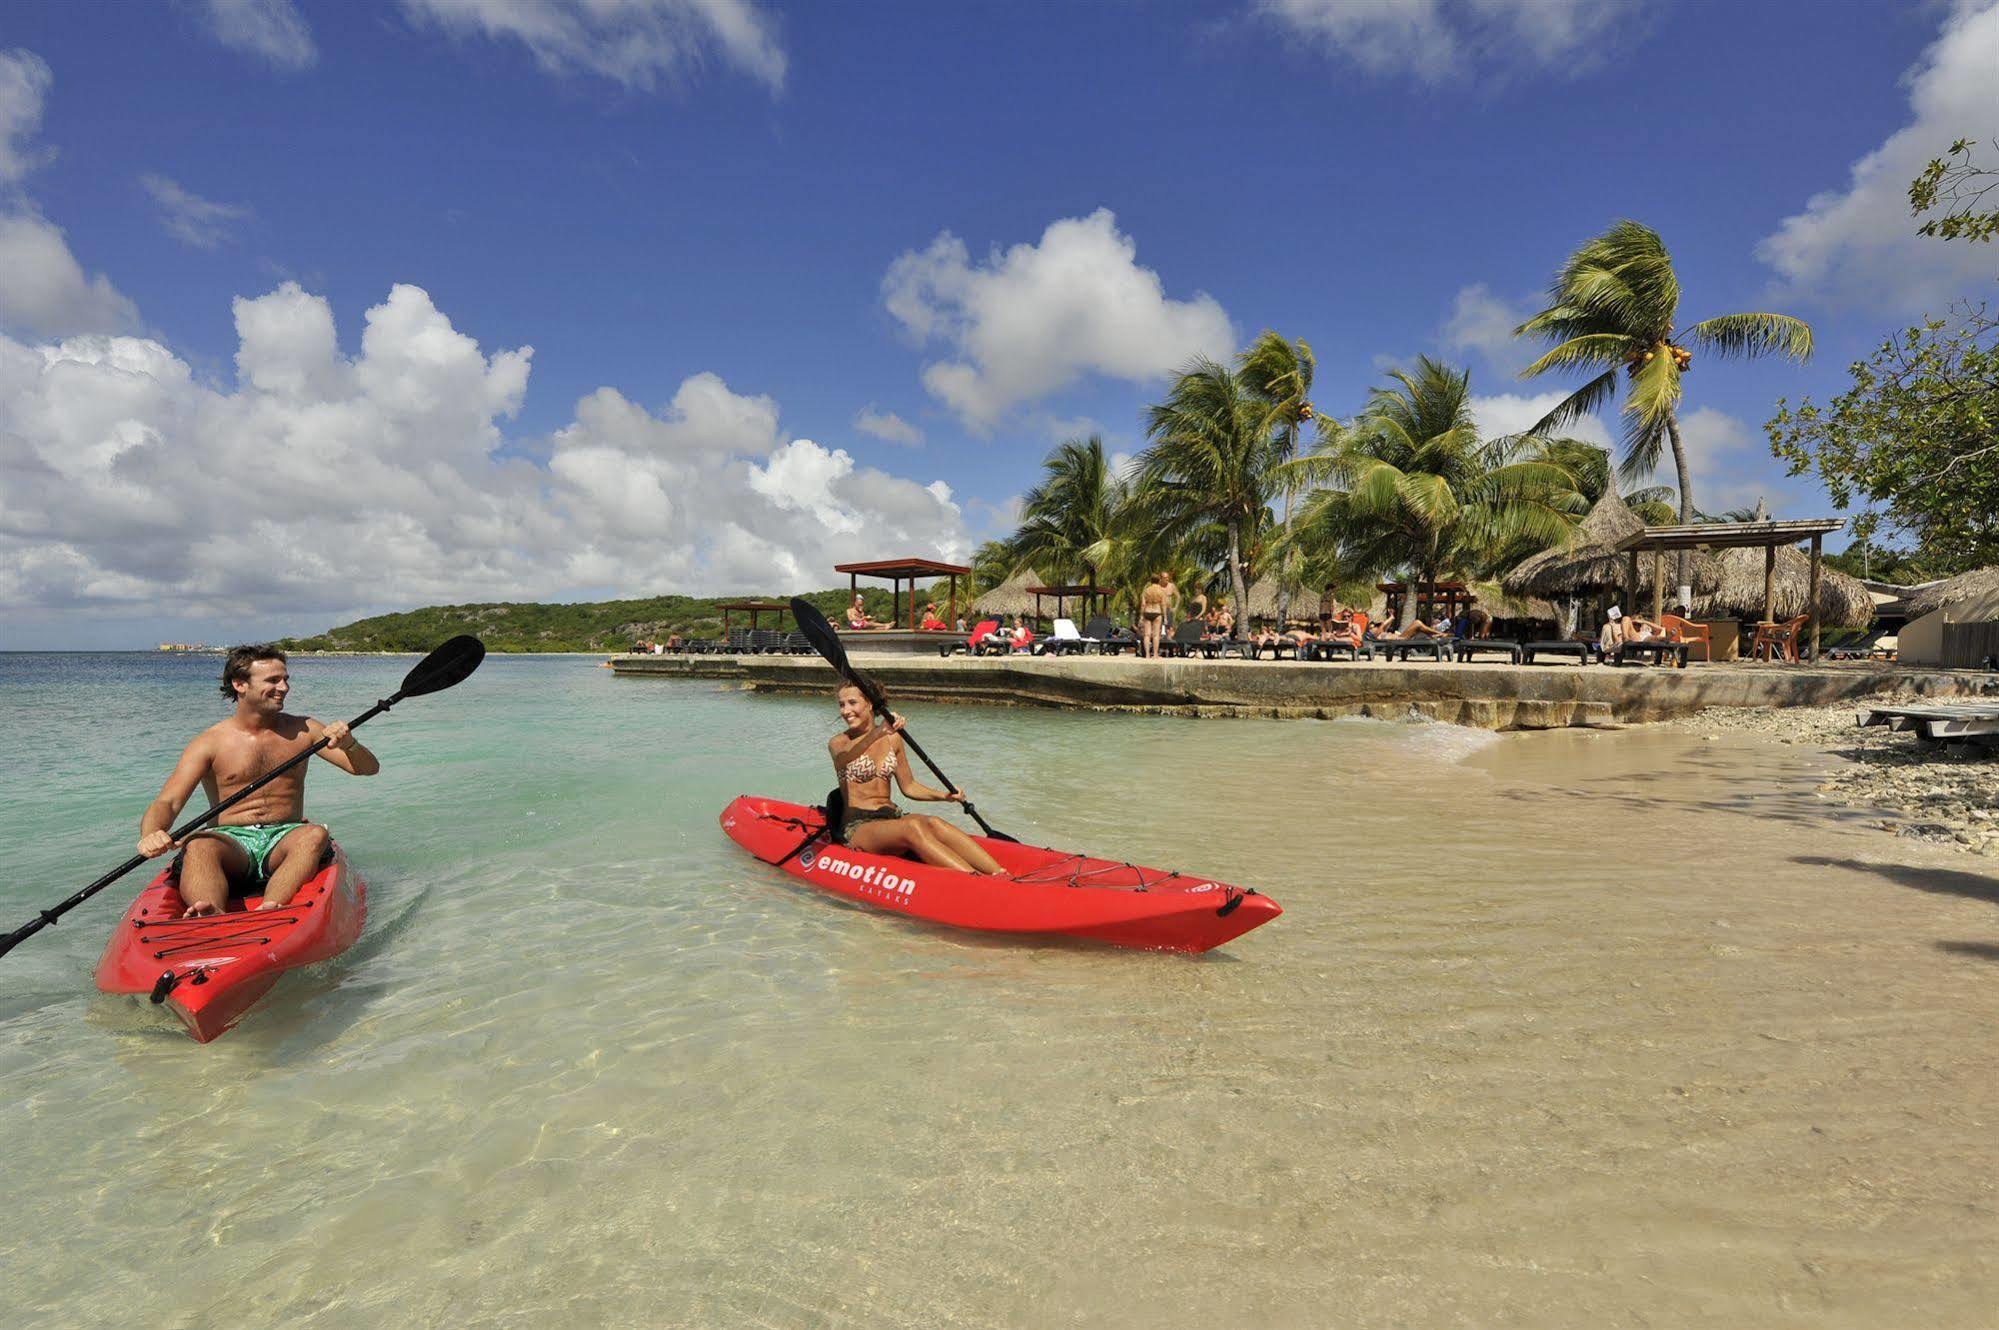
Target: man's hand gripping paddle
[[442, 668]]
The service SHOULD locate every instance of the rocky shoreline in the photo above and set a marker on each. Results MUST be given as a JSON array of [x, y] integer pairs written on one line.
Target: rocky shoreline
[[1944, 795]]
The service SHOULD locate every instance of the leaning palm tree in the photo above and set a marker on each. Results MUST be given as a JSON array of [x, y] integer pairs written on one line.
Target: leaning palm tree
[[1615, 304], [1073, 520], [1211, 466], [1410, 484], [1279, 372]]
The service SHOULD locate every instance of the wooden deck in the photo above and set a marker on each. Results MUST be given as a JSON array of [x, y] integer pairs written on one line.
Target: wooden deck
[[1941, 722]]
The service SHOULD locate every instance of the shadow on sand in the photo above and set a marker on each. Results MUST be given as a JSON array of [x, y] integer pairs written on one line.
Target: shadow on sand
[[1936, 881]]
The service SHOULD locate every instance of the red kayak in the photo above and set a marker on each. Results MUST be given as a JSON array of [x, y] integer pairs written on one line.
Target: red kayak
[[1043, 891], [209, 971]]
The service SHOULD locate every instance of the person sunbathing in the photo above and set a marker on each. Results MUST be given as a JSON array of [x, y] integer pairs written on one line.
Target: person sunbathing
[[1221, 623], [931, 623], [857, 616], [1418, 631]]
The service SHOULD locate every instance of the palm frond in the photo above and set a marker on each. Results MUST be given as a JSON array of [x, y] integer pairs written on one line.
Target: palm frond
[[1752, 335]]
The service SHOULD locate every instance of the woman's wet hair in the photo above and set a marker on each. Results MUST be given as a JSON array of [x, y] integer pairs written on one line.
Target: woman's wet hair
[[236, 665]]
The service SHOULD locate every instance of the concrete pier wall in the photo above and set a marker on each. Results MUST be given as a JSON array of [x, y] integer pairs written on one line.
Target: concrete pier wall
[[1490, 696]]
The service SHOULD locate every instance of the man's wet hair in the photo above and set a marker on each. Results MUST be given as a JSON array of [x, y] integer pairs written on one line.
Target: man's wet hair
[[236, 666]]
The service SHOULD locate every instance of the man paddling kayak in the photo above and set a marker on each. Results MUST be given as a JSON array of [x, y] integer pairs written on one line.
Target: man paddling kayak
[[866, 757], [264, 844]]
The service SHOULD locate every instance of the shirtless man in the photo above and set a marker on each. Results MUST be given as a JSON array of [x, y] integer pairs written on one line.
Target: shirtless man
[[263, 843]]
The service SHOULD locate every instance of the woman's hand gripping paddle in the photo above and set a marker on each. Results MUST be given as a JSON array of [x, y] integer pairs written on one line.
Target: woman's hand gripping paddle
[[442, 668], [827, 642]]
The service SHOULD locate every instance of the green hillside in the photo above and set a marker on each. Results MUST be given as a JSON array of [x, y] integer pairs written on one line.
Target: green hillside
[[607, 625]]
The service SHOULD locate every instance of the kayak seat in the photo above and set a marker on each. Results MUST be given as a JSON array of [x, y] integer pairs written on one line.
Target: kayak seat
[[836, 815]]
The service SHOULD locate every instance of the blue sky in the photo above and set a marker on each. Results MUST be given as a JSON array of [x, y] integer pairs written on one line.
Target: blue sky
[[805, 282]]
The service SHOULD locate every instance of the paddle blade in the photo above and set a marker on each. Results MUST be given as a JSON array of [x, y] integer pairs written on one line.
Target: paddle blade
[[449, 664], [820, 633]]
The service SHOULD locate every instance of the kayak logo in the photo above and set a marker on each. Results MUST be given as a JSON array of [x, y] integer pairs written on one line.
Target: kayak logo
[[867, 876]]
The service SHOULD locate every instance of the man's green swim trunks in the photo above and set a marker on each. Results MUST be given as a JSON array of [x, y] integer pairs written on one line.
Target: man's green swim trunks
[[257, 840]]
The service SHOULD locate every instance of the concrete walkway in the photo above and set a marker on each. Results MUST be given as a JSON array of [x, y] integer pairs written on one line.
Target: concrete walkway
[[1488, 695]]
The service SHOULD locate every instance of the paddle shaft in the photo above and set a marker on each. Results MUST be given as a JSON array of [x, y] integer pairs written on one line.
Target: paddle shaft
[[910, 741], [812, 622], [47, 917]]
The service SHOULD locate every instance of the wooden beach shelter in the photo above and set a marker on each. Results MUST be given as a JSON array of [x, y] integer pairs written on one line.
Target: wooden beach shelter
[[1011, 597], [1770, 537], [756, 609], [1594, 560], [897, 571], [1450, 597], [1064, 594]]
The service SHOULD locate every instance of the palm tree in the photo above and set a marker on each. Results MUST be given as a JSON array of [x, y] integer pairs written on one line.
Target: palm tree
[[1410, 484], [1279, 372], [1615, 304], [1590, 467], [1074, 520], [1211, 467]]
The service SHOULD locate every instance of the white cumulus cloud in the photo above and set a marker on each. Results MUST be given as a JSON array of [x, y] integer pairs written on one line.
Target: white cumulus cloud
[[1859, 244], [887, 426], [45, 291], [1510, 413], [323, 485], [272, 30], [634, 43], [24, 84], [190, 218], [1033, 319], [1482, 323], [1434, 40]]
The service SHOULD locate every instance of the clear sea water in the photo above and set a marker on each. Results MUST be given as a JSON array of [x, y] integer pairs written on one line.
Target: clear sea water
[[1578, 1029]]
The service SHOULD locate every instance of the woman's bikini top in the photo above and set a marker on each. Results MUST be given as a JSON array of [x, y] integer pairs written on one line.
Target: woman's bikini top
[[864, 769]]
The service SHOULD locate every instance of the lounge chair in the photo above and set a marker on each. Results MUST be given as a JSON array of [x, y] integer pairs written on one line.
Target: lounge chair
[[1065, 641], [1402, 648], [1695, 635], [1467, 647], [1325, 650], [1584, 652], [1774, 638], [1186, 640], [1660, 649], [1110, 638]]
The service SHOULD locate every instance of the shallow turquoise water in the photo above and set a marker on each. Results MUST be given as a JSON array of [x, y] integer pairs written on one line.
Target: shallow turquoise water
[[590, 1065]]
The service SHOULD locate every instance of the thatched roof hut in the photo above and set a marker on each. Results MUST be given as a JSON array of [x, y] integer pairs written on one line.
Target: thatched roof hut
[[1978, 584], [1843, 601], [1496, 600], [1263, 599], [1009, 597], [1591, 562]]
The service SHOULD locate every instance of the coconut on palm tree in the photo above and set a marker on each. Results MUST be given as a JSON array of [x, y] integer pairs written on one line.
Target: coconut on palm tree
[[1280, 373], [1615, 305], [1211, 467], [1410, 484]]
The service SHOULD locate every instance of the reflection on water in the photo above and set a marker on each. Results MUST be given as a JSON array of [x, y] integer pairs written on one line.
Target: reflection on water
[[1568, 1029]]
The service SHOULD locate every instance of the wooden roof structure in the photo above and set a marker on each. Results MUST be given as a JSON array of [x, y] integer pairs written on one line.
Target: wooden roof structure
[[1771, 537], [897, 571]]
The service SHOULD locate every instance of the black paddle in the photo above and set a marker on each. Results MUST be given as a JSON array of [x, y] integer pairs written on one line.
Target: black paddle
[[820, 633], [442, 668]]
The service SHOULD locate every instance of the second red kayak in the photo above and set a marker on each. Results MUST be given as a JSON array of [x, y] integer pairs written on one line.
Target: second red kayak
[[1042, 891], [208, 971]]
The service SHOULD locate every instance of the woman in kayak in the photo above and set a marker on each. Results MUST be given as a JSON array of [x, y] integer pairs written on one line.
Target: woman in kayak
[[866, 757]]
